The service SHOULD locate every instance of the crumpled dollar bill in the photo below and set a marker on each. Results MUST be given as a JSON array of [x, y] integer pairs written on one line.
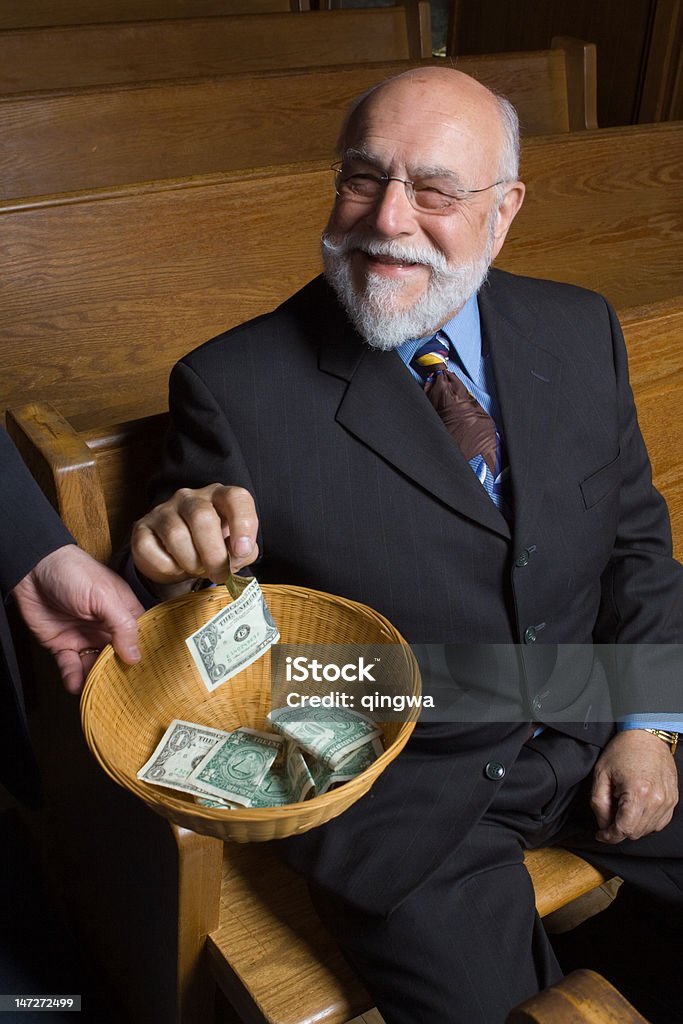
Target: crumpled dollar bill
[[329, 734]]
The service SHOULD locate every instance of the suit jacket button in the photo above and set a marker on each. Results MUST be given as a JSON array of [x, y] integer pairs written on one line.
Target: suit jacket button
[[530, 635], [523, 558], [494, 770]]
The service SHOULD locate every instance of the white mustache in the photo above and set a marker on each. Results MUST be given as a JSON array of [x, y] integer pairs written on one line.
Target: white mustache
[[428, 257]]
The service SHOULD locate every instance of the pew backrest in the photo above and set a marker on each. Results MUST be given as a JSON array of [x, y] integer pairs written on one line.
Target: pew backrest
[[603, 210], [87, 138], [122, 52], [101, 293], [34, 13]]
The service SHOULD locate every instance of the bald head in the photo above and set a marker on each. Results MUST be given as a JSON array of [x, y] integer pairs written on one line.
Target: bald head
[[448, 95]]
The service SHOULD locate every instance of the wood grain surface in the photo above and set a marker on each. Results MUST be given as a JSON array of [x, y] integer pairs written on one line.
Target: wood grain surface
[[15, 14], [88, 138], [82, 55]]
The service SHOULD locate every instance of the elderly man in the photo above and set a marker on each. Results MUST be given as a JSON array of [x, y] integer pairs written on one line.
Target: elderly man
[[459, 449]]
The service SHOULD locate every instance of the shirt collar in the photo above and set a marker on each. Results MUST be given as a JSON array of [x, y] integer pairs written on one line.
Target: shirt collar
[[463, 333]]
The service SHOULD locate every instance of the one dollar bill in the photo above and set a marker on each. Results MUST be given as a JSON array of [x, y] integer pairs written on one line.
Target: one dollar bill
[[234, 638], [331, 735], [235, 769], [181, 750]]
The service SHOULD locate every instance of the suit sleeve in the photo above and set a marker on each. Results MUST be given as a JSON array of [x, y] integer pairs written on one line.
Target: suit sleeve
[[641, 614], [31, 529], [201, 447]]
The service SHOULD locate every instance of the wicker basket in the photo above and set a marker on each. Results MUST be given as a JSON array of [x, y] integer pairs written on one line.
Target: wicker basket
[[125, 709]]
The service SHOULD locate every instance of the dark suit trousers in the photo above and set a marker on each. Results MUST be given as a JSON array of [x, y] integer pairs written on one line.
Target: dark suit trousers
[[467, 945]]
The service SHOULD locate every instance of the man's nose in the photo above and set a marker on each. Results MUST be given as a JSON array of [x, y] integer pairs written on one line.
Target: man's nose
[[392, 213]]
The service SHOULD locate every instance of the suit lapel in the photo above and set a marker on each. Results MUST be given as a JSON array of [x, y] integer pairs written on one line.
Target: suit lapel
[[527, 381], [385, 408]]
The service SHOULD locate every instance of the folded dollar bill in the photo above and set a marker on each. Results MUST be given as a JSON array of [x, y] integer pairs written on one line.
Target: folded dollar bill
[[234, 638], [275, 791], [299, 777], [235, 769], [325, 778], [329, 734], [183, 747]]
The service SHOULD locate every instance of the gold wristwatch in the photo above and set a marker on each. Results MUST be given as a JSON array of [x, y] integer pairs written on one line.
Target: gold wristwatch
[[669, 737]]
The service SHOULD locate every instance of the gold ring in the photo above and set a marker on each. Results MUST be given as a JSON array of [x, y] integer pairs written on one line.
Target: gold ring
[[89, 650]]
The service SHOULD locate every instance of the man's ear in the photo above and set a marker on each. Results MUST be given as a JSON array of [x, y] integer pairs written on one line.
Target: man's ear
[[506, 213]]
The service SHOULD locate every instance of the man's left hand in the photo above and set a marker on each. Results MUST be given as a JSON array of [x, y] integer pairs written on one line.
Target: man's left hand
[[635, 787]]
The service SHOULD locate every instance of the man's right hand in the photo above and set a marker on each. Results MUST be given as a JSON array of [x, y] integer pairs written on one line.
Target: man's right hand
[[196, 534]]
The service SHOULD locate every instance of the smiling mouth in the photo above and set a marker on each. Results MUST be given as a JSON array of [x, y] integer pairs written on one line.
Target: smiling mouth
[[390, 261]]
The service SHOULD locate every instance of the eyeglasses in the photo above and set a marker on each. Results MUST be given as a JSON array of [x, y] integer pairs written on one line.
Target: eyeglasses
[[365, 187]]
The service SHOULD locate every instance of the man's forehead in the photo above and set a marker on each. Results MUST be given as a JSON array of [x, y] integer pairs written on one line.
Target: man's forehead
[[441, 93], [424, 146], [417, 164], [430, 121]]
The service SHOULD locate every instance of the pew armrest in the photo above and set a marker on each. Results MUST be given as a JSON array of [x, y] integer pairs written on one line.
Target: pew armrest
[[559, 876], [583, 997], [66, 470]]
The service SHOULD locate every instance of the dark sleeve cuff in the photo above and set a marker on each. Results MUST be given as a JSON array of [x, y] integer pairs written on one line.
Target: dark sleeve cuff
[[136, 582]]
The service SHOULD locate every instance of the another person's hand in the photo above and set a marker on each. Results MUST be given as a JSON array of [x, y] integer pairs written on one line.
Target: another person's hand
[[635, 787], [74, 606], [203, 533]]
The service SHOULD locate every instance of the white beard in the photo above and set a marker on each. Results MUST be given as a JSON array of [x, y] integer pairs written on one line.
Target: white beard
[[375, 312]]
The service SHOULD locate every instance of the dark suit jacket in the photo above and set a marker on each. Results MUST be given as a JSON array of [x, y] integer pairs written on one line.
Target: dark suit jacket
[[30, 530], [360, 491]]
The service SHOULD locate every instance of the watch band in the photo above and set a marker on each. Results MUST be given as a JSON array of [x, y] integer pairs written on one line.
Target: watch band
[[669, 737]]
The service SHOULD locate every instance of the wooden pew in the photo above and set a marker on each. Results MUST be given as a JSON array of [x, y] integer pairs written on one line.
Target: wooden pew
[[243, 919], [87, 55], [102, 292], [34, 13], [86, 138]]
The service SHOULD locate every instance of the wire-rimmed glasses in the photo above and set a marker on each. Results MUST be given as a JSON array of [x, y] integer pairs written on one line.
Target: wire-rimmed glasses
[[423, 194]]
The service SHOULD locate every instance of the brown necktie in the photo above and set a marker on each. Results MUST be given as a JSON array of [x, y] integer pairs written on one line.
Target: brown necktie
[[467, 422]]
